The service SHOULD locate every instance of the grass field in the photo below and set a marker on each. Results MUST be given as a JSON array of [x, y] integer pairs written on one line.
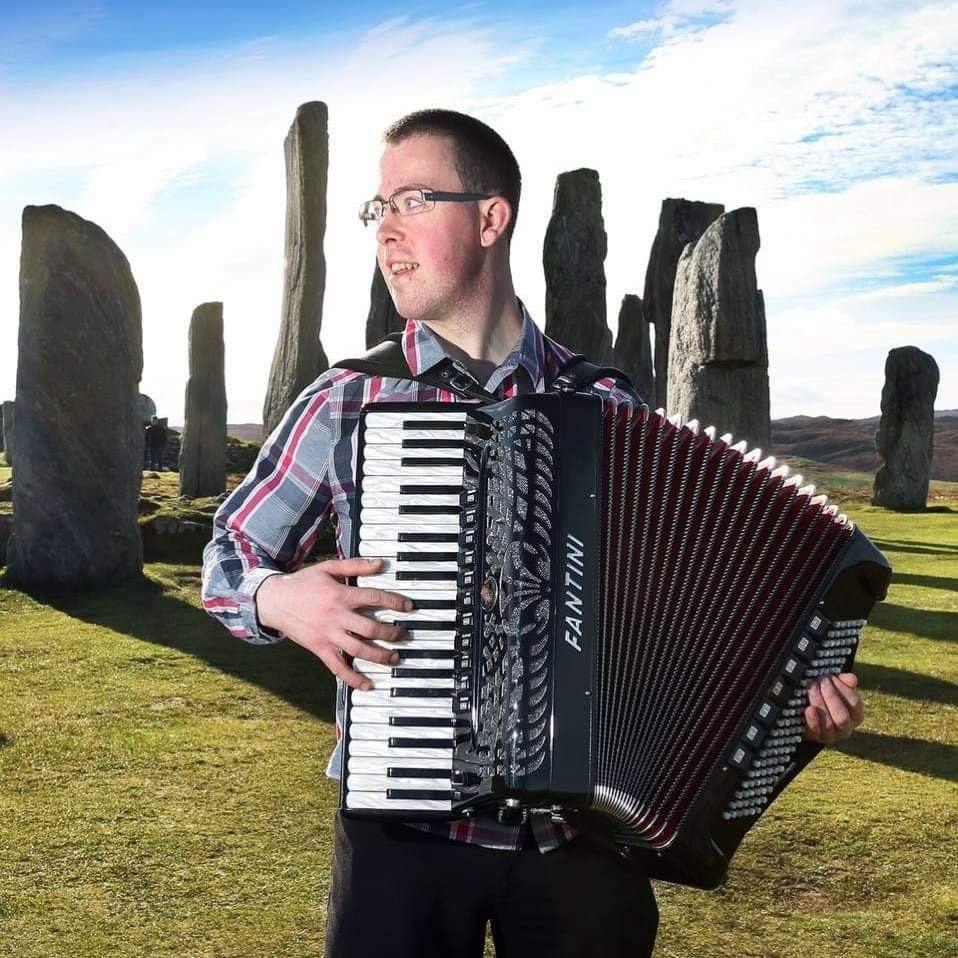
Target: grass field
[[162, 788]]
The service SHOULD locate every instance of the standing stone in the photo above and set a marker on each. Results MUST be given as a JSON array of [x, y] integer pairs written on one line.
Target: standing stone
[[203, 445], [633, 350], [906, 431], [680, 222], [299, 357], [8, 431], [383, 318], [718, 357], [145, 409], [573, 256], [78, 443]]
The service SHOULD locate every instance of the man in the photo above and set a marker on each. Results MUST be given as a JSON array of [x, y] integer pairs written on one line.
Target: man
[[446, 209], [156, 439]]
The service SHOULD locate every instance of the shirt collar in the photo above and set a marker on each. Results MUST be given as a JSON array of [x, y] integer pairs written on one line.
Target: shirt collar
[[423, 349]]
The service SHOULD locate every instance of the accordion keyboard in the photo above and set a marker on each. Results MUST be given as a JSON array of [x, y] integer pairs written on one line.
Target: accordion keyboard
[[402, 732]]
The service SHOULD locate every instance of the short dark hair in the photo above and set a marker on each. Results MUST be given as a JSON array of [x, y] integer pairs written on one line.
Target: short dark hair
[[484, 162]]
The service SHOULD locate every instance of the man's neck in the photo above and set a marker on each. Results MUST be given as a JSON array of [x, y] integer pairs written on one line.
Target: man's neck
[[482, 334]]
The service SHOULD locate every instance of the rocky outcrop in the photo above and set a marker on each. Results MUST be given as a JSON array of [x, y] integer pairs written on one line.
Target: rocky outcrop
[[680, 222], [633, 350], [718, 357], [203, 445], [299, 357], [905, 436], [145, 409], [383, 318], [573, 256], [79, 441]]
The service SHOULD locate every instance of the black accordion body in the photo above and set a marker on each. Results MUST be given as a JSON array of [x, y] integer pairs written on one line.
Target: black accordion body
[[615, 614]]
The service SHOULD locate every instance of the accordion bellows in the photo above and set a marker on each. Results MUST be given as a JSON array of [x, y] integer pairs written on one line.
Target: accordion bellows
[[639, 607]]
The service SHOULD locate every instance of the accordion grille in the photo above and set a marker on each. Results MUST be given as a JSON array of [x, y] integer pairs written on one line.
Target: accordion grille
[[708, 558]]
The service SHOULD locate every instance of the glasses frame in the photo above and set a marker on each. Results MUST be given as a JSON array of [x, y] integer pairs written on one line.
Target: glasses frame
[[367, 216]]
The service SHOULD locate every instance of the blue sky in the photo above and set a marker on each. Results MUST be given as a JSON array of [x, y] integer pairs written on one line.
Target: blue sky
[[838, 122]]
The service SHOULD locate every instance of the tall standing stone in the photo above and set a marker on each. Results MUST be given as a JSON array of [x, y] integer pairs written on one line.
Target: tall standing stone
[[299, 357], [680, 222], [203, 444], [633, 350], [78, 441], [573, 256], [906, 431], [718, 357], [8, 414], [383, 318]]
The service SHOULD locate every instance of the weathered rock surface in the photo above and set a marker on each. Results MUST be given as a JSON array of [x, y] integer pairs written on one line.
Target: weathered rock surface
[[905, 436], [299, 357], [145, 409], [633, 349], [203, 444], [680, 222], [78, 437], [8, 416], [383, 318], [573, 257], [718, 357]]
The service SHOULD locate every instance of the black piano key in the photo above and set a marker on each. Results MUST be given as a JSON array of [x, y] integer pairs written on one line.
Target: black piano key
[[430, 490], [433, 444], [451, 424], [426, 654], [427, 537], [416, 793], [429, 693], [401, 772], [424, 626], [426, 575], [429, 462], [428, 721], [429, 510], [413, 673], [434, 603], [427, 557], [406, 742]]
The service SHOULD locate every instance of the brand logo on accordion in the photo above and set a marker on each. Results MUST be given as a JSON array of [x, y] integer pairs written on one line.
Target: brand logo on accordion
[[574, 570]]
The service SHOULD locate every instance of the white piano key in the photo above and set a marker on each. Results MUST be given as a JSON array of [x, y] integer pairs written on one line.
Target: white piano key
[[413, 523], [359, 713], [393, 500], [390, 582], [379, 783], [422, 640], [394, 482], [392, 565], [378, 765], [411, 591], [389, 532], [383, 548], [379, 800], [396, 452], [381, 698], [384, 681], [379, 420], [383, 733], [417, 615], [386, 437], [393, 467], [399, 756]]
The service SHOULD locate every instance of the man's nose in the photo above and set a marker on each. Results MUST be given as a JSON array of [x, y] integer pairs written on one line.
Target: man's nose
[[389, 226]]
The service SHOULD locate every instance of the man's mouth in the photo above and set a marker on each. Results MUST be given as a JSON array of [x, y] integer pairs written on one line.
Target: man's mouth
[[397, 268]]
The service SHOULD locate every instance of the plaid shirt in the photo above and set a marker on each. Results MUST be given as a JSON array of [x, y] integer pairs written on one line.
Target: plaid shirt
[[305, 472]]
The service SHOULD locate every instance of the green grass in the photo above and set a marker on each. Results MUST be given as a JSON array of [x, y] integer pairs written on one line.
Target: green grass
[[162, 787]]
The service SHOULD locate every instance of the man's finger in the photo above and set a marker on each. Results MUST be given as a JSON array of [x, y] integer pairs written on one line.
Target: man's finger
[[849, 679], [379, 599], [337, 665], [361, 649], [851, 698], [342, 568], [367, 628], [823, 727], [838, 709]]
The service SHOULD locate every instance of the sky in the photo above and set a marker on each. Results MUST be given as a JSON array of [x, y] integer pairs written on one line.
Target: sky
[[837, 121]]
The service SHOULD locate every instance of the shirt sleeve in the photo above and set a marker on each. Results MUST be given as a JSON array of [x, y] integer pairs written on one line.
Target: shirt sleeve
[[611, 388], [268, 524]]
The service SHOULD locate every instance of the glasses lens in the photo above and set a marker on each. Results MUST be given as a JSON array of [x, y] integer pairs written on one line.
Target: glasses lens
[[371, 211], [410, 202]]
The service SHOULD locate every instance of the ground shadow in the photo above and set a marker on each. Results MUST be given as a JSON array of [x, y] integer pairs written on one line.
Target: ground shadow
[[935, 624], [917, 548], [934, 759], [909, 685], [928, 581], [139, 607]]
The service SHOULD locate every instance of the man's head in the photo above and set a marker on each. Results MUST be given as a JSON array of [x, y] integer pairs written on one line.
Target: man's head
[[154, 419], [455, 251]]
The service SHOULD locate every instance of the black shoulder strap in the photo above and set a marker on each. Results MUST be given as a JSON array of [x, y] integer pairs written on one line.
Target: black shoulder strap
[[388, 359], [577, 373]]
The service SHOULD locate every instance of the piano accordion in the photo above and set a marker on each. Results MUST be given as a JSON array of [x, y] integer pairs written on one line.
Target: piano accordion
[[614, 613]]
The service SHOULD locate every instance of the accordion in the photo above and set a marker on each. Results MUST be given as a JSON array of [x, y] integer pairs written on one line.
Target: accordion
[[615, 614]]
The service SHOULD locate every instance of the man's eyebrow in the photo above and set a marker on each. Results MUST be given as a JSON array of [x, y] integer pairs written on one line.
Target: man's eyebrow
[[399, 189]]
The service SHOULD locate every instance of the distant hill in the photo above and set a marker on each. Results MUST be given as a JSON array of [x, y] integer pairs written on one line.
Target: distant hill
[[850, 443], [247, 431]]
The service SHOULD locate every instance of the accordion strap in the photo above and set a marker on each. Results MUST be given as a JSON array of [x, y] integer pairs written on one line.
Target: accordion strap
[[388, 359]]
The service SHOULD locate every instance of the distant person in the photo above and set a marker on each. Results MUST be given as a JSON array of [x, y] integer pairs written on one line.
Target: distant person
[[155, 444]]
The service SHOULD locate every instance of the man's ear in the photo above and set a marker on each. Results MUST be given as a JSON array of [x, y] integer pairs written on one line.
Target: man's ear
[[496, 215]]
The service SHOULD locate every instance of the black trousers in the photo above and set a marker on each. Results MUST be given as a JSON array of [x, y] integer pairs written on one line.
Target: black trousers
[[406, 894]]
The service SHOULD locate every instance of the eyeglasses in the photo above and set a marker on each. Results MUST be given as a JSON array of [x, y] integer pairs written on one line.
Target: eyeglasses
[[411, 202]]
